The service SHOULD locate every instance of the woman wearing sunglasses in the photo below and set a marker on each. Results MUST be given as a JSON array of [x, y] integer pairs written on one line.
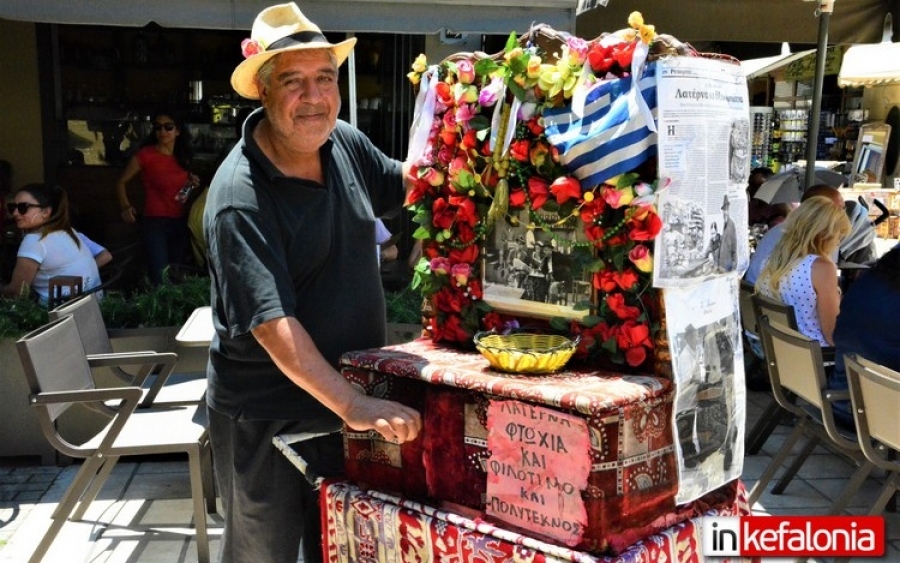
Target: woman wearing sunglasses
[[50, 247], [163, 162]]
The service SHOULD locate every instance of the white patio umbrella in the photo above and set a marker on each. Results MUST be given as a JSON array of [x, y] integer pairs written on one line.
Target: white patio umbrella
[[788, 186]]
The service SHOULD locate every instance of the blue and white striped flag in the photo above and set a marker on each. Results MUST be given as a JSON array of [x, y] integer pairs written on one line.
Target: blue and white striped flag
[[615, 134]]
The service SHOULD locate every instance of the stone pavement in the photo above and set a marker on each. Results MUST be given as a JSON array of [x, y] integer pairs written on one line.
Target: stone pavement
[[143, 514]]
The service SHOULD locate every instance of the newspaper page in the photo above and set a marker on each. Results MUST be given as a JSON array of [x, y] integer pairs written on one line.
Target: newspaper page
[[704, 164], [708, 366]]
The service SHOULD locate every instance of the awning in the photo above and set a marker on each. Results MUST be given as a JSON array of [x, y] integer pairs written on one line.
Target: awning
[[766, 21], [871, 65], [796, 66], [386, 16]]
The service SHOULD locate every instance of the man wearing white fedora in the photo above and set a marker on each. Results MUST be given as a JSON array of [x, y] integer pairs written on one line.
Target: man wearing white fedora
[[290, 223]]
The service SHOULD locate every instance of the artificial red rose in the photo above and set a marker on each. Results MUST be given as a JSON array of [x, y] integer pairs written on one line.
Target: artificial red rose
[[466, 255], [448, 137], [595, 234], [623, 53], [616, 303], [446, 154], [534, 125], [519, 149], [464, 233], [645, 224], [431, 251], [605, 281], [634, 338], [449, 299], [626, 279], [453, 330], [638, 333], [635, 356], [517, 198], [592, 209], [444, 93], [492, 321], [443, 214], [418, 191], [565, 188], [475, 289], [600, 58], [538, 191], [470, 140], [617, 240], [466, 210]]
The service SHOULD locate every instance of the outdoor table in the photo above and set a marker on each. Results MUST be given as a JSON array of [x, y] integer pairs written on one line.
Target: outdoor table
[[198, 330]]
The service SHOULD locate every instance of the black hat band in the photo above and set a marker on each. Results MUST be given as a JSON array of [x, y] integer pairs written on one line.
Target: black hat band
[[298, 38]]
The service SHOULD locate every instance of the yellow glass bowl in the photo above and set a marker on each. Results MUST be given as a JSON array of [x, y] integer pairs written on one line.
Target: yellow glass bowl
[[524, 352]]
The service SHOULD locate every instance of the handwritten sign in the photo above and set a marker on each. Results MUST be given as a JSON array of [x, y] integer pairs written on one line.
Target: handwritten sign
[[539, 464]]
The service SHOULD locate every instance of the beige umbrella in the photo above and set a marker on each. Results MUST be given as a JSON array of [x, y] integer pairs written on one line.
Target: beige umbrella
[[875, 64]]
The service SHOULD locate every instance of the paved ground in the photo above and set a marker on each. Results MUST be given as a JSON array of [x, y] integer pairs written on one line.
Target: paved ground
[[143, 514]]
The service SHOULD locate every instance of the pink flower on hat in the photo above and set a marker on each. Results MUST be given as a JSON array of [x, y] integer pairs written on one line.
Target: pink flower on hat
[[250, 47]]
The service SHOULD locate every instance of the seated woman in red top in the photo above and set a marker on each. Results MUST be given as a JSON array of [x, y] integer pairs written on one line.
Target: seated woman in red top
[[163, 162]]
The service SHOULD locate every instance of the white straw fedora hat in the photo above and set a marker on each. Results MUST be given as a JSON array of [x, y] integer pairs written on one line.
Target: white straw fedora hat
[[278, 29]]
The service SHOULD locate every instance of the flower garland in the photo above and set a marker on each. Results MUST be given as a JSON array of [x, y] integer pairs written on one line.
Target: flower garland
[[487, 157]]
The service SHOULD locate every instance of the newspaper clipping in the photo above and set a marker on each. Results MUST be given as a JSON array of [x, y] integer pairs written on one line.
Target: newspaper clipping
[[708, 364], [704, 161]]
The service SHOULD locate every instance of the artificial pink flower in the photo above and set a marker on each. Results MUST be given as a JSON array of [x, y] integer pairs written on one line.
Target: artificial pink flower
[[250, 47], [465, 71], [461, 273], [641, 258], [440, 265]]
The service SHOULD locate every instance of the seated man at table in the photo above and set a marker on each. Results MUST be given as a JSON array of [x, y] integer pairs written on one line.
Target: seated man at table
[[771, 239], [867, 322]]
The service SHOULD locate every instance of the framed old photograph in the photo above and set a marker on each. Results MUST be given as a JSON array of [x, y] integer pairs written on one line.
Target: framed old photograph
[[530, 268]]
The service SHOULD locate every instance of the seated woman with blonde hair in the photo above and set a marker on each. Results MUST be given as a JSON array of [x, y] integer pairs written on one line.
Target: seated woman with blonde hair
[[50, 247], [800, 271]]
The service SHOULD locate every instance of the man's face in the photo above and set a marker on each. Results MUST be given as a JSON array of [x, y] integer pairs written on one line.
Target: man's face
[[302, 99]]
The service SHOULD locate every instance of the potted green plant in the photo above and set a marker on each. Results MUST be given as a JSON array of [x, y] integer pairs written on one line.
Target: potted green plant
[[404, 315], [20, 434], [146, 319]]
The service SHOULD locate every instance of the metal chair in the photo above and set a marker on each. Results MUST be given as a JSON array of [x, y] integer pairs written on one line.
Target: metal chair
[[875, 394], [155, 373], [59, 377], [781, 313], [796, 367]]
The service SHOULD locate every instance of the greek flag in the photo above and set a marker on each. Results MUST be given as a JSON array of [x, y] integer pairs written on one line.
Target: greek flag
[[614, 134]]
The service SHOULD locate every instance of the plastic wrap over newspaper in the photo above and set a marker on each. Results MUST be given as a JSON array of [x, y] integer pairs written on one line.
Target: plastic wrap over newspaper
[[708, 362], [703, 133]]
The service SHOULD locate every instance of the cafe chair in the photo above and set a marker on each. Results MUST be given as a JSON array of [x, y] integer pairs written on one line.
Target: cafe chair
[[796, 368], [875, 394], [62, 288], [59, 377], [762, 306], [154, 371]]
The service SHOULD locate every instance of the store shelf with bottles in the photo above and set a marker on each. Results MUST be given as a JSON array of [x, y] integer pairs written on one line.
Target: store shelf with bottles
[[104, 70], [762, 123]]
